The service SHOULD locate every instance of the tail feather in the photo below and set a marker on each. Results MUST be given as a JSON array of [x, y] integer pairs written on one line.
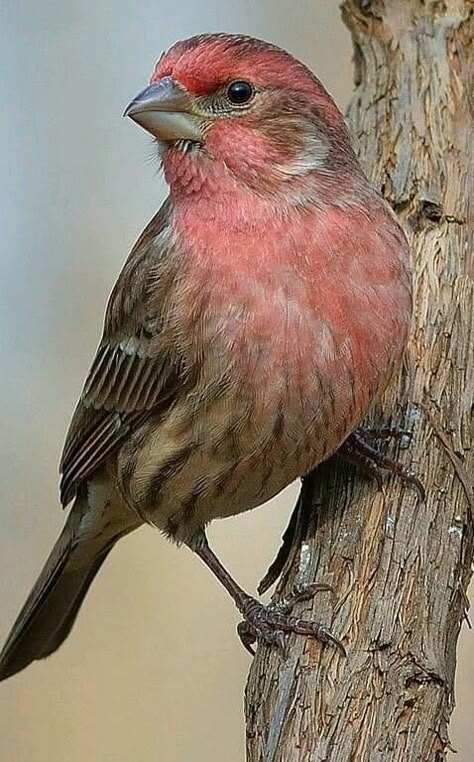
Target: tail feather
[[51, 608], [79, 592]]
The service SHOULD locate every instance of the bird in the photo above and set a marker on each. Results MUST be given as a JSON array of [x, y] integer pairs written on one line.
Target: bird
[[259, 315]]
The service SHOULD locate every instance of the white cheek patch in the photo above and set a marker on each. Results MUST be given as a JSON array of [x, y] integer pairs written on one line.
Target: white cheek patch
[[312, 155]]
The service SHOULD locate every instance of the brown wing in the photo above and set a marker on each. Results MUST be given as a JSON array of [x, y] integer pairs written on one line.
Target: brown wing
[[133, 371]]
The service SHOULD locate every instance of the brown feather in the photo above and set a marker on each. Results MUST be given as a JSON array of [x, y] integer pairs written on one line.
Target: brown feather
[[134, 370]]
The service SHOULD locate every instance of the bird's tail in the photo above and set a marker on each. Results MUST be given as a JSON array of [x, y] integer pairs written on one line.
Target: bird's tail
[[51, 608]]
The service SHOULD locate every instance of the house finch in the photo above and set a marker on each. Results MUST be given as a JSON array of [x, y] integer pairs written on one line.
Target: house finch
[[258, 315]]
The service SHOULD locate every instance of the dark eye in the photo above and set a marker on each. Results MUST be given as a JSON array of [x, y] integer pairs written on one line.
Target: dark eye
[[239, 92]]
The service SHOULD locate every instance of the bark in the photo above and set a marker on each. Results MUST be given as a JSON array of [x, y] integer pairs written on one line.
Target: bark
[[399, 568]]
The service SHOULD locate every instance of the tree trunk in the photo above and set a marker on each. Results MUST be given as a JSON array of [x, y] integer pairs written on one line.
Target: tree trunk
[[398, 567]]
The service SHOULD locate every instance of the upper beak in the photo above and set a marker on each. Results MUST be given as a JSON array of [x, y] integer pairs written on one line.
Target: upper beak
[[164, 109]]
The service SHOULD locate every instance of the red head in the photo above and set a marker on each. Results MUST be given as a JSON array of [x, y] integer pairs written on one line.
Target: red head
[[245, 109]]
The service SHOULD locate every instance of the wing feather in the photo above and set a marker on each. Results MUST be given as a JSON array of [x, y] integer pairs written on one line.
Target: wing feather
[[135, 370]]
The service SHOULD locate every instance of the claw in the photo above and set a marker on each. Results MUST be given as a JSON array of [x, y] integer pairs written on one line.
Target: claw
[[270, 624], [336, 642], [298, 595], [308, 592], [247, 636], [386, 432], [357, 450]]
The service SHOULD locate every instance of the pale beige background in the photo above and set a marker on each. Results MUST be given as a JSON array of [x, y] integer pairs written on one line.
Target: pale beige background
[[153, 670]]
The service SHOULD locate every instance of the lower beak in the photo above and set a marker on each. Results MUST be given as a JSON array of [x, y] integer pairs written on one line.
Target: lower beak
[[164, 109]]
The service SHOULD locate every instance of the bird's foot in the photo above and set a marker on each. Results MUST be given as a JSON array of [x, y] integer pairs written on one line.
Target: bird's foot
[[271, 623], [358, 450], [299, 594], [385, 432]]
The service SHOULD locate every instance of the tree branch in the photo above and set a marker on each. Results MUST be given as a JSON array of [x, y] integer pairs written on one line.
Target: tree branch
[[399, 569]]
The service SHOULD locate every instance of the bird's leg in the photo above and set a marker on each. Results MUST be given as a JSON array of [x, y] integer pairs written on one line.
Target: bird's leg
[[259, 621], [358, 450]]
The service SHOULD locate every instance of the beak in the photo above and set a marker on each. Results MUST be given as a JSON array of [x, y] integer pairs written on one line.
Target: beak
[[165, 110]]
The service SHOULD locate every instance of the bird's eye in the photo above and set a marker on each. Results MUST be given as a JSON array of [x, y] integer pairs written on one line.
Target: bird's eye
[[239, 92]]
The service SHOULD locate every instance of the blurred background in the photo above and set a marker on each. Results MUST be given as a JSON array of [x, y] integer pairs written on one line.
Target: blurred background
[[153, 669]]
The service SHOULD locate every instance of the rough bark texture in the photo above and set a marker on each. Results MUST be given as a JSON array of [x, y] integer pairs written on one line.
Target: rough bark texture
[[399, 568]]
